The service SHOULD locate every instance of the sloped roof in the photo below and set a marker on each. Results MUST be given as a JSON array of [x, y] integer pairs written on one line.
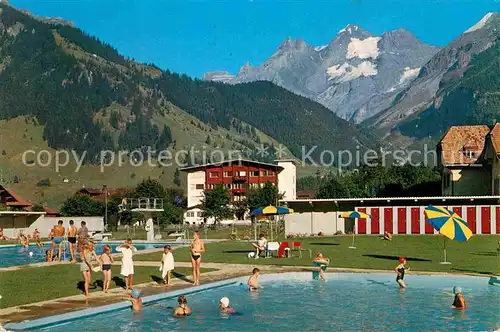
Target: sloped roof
[[495, 138], [460, 138], [16, 199]]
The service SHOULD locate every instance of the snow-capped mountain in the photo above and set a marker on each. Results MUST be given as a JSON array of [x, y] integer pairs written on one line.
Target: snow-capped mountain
[[358, 74], [441, 72], [218, 76]]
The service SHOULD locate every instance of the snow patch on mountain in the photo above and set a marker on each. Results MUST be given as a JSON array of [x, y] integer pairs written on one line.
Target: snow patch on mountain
[[409, 74], [363, 49], [349, 28], [347, 72], [319, 48], [480, 24]]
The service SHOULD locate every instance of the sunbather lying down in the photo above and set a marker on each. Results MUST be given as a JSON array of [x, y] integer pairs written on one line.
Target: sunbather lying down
[[323, 263], [387, 236], [260, 246]]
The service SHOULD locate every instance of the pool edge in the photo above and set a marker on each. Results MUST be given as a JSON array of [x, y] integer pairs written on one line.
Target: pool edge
[[85, 313]]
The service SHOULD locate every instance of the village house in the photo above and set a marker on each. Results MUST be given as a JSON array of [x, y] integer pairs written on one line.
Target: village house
[[469, 162]]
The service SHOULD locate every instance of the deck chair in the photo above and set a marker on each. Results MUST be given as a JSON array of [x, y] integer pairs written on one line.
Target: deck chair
[[283, 249], [298, 247], [272, 247]]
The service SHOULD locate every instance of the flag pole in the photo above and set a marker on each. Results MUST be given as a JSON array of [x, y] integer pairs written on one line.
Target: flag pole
[[353, 233], [444, 252]]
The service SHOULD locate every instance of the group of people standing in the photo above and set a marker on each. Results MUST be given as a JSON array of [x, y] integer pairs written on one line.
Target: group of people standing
[[77, 239]]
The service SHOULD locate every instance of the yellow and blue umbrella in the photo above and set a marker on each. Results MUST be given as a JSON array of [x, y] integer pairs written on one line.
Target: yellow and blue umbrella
[[448, 223], [355, 214], [271, 210]]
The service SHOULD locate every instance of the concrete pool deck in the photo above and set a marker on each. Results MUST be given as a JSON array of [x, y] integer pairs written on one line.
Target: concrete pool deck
[[96, 299]]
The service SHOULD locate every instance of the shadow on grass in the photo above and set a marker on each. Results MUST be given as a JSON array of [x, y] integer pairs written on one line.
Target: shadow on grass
[[119, 282], [471, 271], [96, 284], [485, 253], [395, 258], [324, 244], [157, 279], [180, 276]]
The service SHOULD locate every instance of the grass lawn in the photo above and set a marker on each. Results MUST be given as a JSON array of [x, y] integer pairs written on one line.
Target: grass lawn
[[423, 253], [29, 285]]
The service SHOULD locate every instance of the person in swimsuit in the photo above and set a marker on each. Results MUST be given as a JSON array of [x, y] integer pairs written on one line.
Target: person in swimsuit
[[72, 240], [88, 254], [182, 309], [322, 262], [135, 299], [197, 247], [459, 301], [58, 237], [106, 260], [253, 281], [49, 255], [400, 270], [36, 237], [83, 237], [23, 239], [224, 306]]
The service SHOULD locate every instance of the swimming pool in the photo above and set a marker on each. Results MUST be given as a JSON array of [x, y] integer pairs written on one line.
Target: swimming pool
[[18, 255], [293, 301]]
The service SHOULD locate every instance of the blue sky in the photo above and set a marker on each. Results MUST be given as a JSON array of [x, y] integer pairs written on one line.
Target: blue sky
[[197, 36]]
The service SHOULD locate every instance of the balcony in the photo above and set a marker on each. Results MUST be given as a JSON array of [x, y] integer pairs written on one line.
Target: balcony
[[238, 178]]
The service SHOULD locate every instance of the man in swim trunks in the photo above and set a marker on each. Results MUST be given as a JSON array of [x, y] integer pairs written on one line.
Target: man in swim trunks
[[72, 240], [58, 237], [83, 236], [197, 247]]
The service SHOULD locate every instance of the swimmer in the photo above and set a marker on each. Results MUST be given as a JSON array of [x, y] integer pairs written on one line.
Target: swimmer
[[224, 306], [459, 302], [253, 281], [400, 270], [182, 309], [197, 248], [2, 236], [23, 239], [106, 260], [135, 299], [58, 233], [322, 262], [72, 231], [49, 255], [36, 237]]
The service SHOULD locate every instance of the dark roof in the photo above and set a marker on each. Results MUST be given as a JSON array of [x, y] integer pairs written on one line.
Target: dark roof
[[17, 200], [231, 162]]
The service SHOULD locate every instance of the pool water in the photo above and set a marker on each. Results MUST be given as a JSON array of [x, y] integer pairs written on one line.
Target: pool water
[[295, 302], [18, 255]]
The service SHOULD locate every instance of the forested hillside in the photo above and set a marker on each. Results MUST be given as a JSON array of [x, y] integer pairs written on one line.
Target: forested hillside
[[473, 98], [69, 82]]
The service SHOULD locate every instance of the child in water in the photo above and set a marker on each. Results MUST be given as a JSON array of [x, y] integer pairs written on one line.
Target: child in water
[[459, 302], [253, 281], [49, 255], [135, 299], [224, 306], [322, 262], [400, 270]]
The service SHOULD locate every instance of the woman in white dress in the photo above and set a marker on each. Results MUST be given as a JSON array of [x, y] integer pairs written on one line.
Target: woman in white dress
[[127, 270], [167, 265]]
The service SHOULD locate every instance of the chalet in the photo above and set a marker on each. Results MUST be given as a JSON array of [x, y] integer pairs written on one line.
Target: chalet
[[13, 201], [462, 169]]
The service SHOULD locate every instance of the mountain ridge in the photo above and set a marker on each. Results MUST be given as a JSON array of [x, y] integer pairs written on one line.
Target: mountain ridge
[[356, 75]]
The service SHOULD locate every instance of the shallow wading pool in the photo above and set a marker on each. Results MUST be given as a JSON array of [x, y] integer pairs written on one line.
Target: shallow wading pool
[[18, 255], [293, 301]]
